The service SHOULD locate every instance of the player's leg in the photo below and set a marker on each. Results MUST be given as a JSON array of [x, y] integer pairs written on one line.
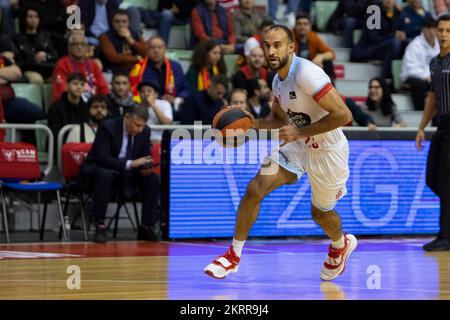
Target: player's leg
[[328, 173], [247, 214]]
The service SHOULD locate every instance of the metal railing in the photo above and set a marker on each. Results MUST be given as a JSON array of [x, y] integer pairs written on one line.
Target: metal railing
[[51, 140]]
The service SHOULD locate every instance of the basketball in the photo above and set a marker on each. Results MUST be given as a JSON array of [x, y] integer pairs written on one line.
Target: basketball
[[232, 121]]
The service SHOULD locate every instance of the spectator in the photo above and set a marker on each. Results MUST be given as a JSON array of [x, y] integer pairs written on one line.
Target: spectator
[[253, 69], [160, 111], [203, 105], [238, 98], [7, 47], [121, 48], [210, 20], [6, 17], [380, 106], [76, 61], [441, 7], [98, 111], [384, 44], [16, 109], [120, 97], [347, 18], [207, 61], [91, 52], [53, 19], [119, 160], [416, 60], [259, 95], [70, 108], [36, 54], [156, 67], [170, 12], [95, 15], [361, 118], [246, 20], [292, 9], [412, 18], [310, 46]]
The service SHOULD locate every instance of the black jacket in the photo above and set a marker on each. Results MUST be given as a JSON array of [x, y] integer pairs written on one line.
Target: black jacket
[[64, 112], [199, 107], [108, 142], [185, 7], [27, 49]]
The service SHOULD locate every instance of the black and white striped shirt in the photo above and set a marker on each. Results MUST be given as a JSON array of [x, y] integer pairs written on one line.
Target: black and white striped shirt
[[440, 83]]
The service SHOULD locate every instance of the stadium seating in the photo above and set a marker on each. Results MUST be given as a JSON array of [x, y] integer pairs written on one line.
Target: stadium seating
[[32, 92], [324, 9]]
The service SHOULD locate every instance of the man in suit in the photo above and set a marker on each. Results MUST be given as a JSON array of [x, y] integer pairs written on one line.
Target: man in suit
[[120, 160]]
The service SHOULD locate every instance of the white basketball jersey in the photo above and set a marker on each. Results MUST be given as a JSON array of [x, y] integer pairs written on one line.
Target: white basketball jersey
[[305, 84]]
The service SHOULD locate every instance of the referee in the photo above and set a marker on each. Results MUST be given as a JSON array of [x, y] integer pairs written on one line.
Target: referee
[[438, 162]]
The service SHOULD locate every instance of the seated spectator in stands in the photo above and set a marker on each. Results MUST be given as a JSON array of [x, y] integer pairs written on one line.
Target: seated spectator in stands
[[116, 163], [7, 47], [361, 118], [156, 67], [416, 60], [52, 19], [211, 20], [168, 13], [159, 111], [36, 54], [76, 61], [91, 52], [120, 97], [207, 61], [203, 105], [441, 7], [6, 17], [95, 15], [348, 17], [70, 108], [384, 44], [310, 46], [246, 20], [98, 111], [121, 49], [238, 98], [412, 18], [253, 69], [16, 109], [380, 106], [259, 96]]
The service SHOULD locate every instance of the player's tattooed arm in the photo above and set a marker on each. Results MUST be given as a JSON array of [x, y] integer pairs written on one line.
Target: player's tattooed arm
[[277, 118]]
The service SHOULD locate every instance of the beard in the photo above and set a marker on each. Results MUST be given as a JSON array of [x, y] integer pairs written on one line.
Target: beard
[[282, 62], [97, 118]]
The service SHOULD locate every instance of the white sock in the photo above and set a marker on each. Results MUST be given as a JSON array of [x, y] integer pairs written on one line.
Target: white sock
[[339, 244], [237, 247]]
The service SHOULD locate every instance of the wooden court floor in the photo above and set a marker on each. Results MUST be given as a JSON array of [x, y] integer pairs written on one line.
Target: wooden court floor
[[276, 270]]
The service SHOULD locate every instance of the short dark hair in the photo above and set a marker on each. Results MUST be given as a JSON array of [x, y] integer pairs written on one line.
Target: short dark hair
[[444, 17], [302, 15], [76, 76], [286, 30], [266, 22], [121, 12], [140, 111], [219, 79], [429, 23], [98, 98], [119, 74], [151, 84]]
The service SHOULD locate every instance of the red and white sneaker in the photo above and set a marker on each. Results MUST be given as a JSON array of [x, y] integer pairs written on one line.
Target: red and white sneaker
[[334, 264], [223, 265]]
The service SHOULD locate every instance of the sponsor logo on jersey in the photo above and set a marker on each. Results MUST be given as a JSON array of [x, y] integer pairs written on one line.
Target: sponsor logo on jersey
[[292, 95], [300, 119]]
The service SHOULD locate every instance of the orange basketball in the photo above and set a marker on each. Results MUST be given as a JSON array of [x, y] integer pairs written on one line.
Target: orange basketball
[[233, 124]]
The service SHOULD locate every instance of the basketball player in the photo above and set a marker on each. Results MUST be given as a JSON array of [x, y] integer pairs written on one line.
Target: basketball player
[[309, 113]]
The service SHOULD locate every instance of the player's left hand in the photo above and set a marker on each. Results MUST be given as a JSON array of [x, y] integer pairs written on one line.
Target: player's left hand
[[288, 134]]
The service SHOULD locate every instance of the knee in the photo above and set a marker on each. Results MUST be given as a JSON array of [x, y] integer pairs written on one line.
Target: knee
[[317, 215], [166, 15], [105, 176], [255, 191]]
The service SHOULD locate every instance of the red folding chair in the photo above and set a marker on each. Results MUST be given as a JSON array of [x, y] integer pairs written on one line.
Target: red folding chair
[[73, 156], [20, 172]]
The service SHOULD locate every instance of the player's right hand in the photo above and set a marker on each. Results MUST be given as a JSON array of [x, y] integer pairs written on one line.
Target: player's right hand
[[420, 137]]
